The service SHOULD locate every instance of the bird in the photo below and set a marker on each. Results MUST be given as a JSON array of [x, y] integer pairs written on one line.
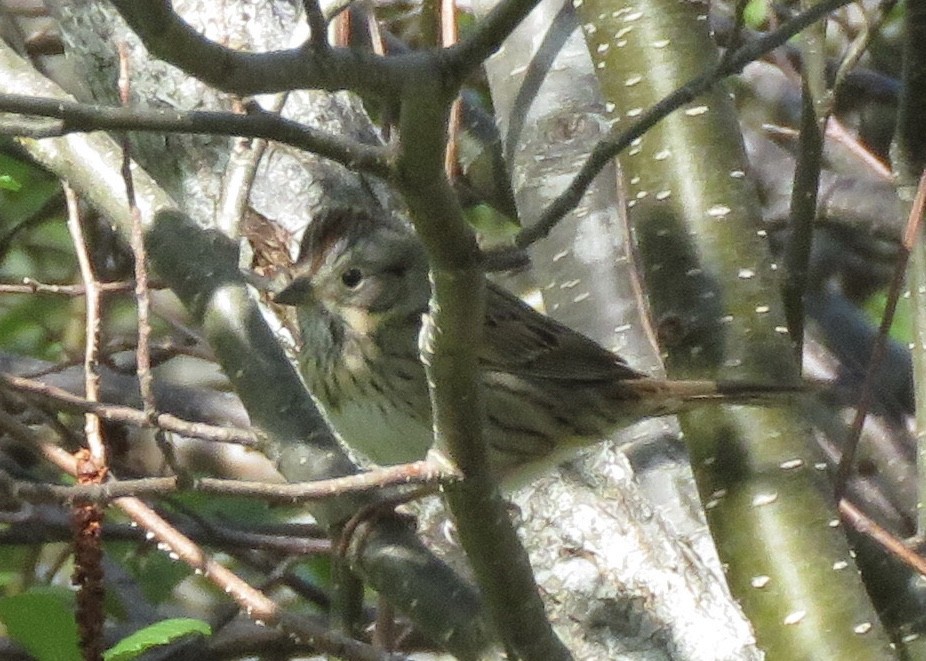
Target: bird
[[360, 289]]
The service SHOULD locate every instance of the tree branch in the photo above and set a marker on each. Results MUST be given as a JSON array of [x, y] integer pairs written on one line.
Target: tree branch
[[84, 117], [610, 147], [70, 402], [450, 346], [170, 38], [203, 271], [490, 33], [419, 473]]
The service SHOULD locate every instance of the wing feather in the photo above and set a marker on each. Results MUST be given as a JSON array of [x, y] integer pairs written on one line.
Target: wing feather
[[520, 341]]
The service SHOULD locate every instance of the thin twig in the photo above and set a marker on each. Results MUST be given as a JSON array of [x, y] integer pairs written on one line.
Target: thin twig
[[127, 414], [336, 8], [739, 23], [243, 158], [83, 118], [835, 130], [246, 151], [883, 538], [240, 171], [49, 209], [92, 323], [254, 603], [377, 40], [44, 525], [611, 146], [318, 26], [137, 241], [30, 286], [867, 394], [803, 212], [169, 37], [870, 28], [164, 350], [417, 474], [90, 468], [487, 37], [449, 34], [342, 30]]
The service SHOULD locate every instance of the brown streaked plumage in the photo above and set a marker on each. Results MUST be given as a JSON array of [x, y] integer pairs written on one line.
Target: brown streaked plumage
[[360, 289]]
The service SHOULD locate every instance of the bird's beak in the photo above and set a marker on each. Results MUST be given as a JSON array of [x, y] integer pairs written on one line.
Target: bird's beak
[[297, 292]]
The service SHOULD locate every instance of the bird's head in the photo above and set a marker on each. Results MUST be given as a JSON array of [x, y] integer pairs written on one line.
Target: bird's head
[[366, 272]]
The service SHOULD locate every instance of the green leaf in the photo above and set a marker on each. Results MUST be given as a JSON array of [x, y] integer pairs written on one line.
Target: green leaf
[[755, 14], [32, 188], [160, 633], [9, 183], [42, 621], [157, 573], [902, 328], [13, 559]]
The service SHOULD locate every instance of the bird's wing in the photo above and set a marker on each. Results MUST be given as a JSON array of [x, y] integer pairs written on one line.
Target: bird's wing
[[519, 340]]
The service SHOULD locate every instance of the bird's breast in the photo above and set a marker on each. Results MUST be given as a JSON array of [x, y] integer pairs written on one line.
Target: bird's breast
[[377, 403]]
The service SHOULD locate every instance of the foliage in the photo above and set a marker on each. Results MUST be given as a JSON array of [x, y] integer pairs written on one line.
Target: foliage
[[160, 633], [42, 621]]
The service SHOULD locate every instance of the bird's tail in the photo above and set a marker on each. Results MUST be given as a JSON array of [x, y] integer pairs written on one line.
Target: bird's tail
[[673, 396]]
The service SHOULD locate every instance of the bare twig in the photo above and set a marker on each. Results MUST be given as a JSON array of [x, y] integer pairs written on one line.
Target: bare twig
[[143, 302], [883, 538], [80, 117], [239, 174], [44, 213], [835, 130], [44, 525], [416, 474], [871, 26], [90, 467], [255, 604], [92, 342], [251, 357], [739, 23], [449, 35], [488, 36], [30, 286], [867, 394], [450, 335], [128, 415], [318, 37], [342, 29], [376, 35], [610, 147], [803, 212]]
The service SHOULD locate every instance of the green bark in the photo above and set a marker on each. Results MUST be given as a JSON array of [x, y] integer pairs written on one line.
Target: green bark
[[718, 310]]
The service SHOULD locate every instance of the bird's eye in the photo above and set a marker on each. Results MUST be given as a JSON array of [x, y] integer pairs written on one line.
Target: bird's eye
[[352, 278]]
